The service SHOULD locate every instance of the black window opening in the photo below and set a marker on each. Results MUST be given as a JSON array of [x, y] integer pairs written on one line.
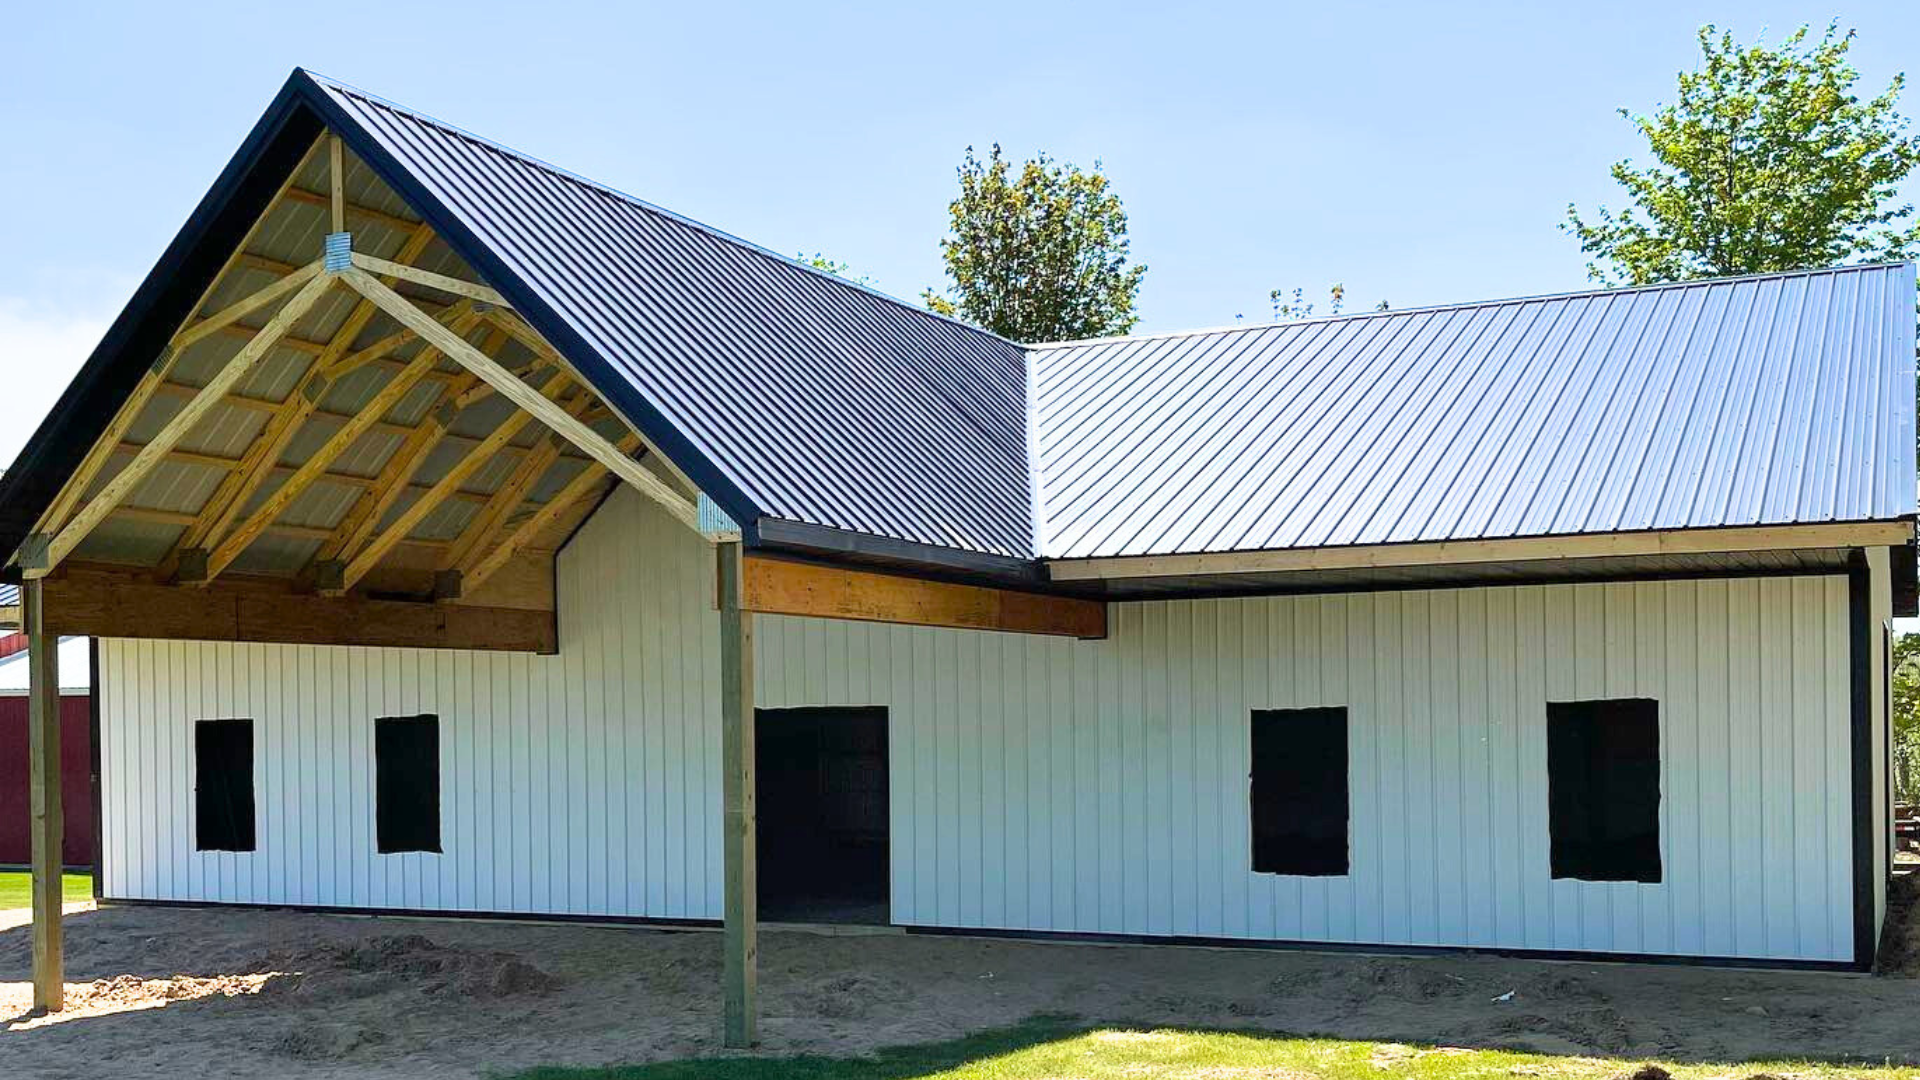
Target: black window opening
[[406, 763], [1603, 789], [1299, 798], [223, 785], [821, 801]]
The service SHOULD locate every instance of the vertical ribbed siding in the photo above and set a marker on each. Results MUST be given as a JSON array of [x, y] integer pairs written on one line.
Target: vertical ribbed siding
[[1048, 784], [581, 783], [1101, 786]]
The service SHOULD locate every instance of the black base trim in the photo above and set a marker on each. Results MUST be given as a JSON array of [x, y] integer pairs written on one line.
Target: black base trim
[[640, 921], [1060, 937], [1373, 949]]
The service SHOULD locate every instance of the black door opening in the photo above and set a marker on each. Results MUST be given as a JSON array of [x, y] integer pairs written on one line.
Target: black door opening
[[822, 813]]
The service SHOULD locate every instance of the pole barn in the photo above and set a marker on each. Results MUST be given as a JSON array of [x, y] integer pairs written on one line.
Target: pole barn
[[466, 537]]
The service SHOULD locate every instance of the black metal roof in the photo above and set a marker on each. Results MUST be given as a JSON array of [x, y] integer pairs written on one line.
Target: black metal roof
[[822, 415], [811, 399]]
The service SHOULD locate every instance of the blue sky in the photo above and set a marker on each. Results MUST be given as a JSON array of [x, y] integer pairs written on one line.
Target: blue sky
[[1415, 152]]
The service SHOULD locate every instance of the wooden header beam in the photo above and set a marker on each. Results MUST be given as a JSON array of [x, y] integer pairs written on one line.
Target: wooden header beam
[[103, 604], [778, 587]]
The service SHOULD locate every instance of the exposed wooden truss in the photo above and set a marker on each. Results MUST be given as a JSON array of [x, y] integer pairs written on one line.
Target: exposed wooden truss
[[256, 493], [56, 547], [514, 389], [286, 419]]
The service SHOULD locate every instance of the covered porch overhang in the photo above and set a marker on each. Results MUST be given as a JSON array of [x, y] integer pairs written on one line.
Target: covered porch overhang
[[353, 438]]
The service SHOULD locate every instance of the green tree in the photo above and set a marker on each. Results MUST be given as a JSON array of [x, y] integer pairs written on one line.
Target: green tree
[[1906, 715], [1766, 161], [1039, 254], [838, 269], [1296, 306]]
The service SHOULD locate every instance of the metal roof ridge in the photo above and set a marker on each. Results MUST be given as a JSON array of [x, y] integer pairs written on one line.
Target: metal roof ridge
[[634, 200], [1501, 301]]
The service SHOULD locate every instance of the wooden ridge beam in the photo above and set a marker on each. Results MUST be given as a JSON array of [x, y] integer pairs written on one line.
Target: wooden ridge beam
[[125, 604], [117, 489], [514, 389], [376, 549], [780, 587]]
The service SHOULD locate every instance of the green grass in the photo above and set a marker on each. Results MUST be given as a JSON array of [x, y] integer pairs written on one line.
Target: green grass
[[1052, 1048], [14, 890]]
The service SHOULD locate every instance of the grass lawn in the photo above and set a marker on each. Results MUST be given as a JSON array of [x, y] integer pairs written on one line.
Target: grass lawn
[[14, 889], [1053, 1048]]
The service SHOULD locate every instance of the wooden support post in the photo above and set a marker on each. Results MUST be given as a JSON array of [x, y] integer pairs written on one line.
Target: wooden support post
[[740, 972], [43, 794]]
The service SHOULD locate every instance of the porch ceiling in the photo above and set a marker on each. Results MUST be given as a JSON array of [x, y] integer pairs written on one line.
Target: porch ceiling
[[404, 464]]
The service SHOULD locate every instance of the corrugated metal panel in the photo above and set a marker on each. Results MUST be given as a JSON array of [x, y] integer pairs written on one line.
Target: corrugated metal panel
[[821, 401], [1049, 784], [1774, 399]]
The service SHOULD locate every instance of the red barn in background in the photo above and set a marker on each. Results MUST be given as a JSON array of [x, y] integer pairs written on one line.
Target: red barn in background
[[76, 750]]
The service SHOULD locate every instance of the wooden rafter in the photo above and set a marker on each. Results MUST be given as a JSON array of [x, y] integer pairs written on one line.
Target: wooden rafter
[[381, 352], [523, 395], [396, 475], [493, 516], [445, 283], [479, 567], [376, 549], [136, 403], [190, 415], [229, 547], [240, 309], [517, 328], [123, 420], [263, 454]]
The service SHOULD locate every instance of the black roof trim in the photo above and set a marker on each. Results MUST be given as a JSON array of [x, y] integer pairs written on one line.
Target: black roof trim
[[843, 545], [164, 299], [657, 429]]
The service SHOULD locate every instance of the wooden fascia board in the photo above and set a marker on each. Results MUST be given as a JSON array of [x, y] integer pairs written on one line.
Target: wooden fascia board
[[1465, 552], [782, 587]]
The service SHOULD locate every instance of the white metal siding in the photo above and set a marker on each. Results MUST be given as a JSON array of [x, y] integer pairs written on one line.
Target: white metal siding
[[583, 783], [1048, 784]]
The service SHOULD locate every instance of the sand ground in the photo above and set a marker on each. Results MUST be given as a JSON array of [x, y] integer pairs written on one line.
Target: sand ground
[[210, 993]]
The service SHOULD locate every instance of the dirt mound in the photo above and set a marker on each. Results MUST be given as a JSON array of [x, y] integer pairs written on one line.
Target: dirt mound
[[381, 964]]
